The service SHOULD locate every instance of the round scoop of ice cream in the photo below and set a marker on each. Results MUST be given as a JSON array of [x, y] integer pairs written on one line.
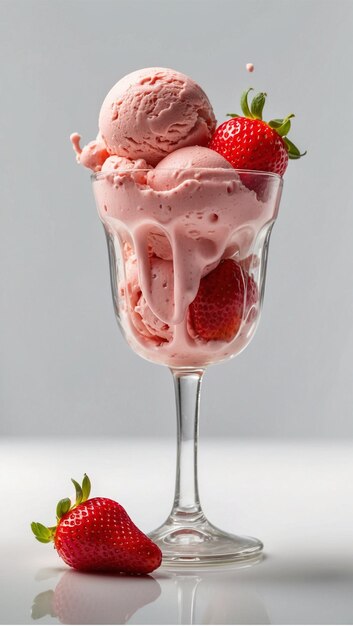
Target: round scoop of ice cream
[[153, 111], [177, 167], [123, 167], [190, 163]]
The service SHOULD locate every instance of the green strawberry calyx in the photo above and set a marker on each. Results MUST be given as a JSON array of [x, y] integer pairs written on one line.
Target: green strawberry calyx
[[45, 534], [281, 126]]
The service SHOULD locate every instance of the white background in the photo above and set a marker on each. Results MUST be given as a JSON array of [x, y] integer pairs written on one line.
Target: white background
[[65, 369]]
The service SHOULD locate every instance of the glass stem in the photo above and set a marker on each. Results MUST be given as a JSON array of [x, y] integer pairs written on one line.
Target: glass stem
[[187, 385]]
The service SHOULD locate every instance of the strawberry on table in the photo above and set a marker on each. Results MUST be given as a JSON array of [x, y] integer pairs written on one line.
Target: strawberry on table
[[223, 300], [249, 143], [98, 534]]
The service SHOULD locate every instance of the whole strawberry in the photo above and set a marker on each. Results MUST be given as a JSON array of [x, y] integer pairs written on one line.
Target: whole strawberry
[[223, 300], [249, 143], [98, 534]]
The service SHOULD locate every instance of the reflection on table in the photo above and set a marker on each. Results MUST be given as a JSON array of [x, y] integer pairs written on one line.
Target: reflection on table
[[202, 597]]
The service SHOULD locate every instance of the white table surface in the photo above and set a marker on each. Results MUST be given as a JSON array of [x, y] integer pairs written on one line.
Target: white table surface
[[297, 497]]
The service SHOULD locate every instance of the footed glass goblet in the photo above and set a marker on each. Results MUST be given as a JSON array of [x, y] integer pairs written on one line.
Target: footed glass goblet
[[188, 253]]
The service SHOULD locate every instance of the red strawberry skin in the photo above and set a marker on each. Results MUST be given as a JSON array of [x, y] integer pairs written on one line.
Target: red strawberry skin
[[219, 306], [99, 535], [250, 144]]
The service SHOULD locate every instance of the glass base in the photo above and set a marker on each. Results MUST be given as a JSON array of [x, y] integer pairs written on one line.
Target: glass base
[[195, 542]]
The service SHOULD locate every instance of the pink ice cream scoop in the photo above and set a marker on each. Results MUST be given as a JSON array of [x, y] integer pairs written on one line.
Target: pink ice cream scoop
[[193, 162], [154, 111], [137, 170], [190, 163]]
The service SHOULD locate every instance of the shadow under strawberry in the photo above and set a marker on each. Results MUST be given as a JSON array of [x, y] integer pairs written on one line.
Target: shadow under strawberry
[[88, 598]]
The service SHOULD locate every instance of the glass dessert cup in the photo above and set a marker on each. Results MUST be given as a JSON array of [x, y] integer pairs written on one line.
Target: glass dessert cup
[[167, 231]]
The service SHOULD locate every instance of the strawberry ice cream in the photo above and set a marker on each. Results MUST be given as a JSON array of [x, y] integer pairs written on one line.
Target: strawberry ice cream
[[201, 223], [142, 317], [174, 211], [138, 169], [177, 166], [152, 112], [91, 156]]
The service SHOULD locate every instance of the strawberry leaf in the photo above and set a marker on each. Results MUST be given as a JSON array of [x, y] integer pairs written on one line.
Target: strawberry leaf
[[275, 123], [293, 151], [79, 494], [233, 115], [42, 533], [257, 105], [244, 103], [63, 507], [43, 539], [284, 128], [86, 488]]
